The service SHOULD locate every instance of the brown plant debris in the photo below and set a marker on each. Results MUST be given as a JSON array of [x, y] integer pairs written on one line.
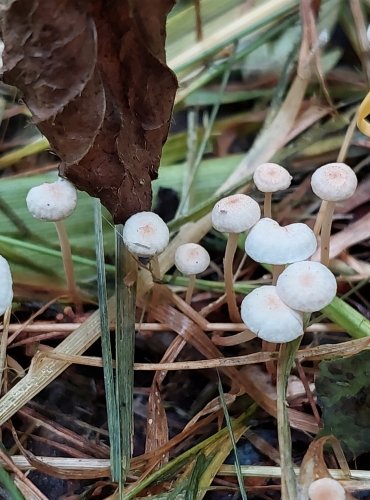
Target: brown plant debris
[[94, 76]]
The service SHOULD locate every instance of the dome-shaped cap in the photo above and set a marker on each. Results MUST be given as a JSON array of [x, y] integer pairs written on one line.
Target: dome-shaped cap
[[271, 177], [6, 288], [306, 286], [145, 234], [52, 201], [266, 315], [271, 243], [334, 182], [191, 258], [326, 488], [235, 214]]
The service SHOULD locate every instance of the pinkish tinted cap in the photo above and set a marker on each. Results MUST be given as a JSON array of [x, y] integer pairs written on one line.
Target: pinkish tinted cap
[[306, 286], [266, 315], [326, 488], [191, 258], [145, 234], [334, 182], [235, 214], [271, 243], [271, 177], [52, 201]]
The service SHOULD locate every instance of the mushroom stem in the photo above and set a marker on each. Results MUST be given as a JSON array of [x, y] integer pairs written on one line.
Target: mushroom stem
[[67, 262], [232, 242], [267, 210], [155, 268], [319, 217], [325, 232], [277, 269], [190, 289]]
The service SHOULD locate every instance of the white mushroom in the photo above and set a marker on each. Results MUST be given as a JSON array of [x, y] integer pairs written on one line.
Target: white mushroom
[[306, 286], [234, 215], [269, 178], [326, 488], [332, 183], [145, 234], [270, 243], [54, 202], [266, 315], [191, 259], [6, 288]]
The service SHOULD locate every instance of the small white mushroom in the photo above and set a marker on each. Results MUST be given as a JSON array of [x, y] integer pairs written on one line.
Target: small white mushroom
[[266, 315], [191, 259], [270, 243], [332, 183], [6, 288], [269, 178], [54, 202], [306, 286], [326, 488], [234, 215], [145, 234]]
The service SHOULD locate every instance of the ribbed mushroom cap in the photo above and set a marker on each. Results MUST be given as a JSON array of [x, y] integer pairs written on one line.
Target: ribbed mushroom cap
[[306, 286], [235, 214], [266, 315], [326, 488], [52, 201], [191, 258], [271, 243], [271, 177], [6, 288], [334, 182], [145, 234]]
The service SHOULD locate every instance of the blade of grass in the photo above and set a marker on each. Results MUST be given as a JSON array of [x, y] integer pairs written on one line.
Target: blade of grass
[[37, 146], [9, 485], [284, 366], [239, 474], [110, 390], [125, 343]]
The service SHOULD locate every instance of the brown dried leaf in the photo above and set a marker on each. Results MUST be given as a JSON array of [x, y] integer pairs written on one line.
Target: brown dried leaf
[[95, 78]]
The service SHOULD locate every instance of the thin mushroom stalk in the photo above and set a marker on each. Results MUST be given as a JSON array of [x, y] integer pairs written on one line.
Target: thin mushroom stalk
[[190, 289], [65, 248], [231, 245], [234, 215], [327, 220], [267, 205]]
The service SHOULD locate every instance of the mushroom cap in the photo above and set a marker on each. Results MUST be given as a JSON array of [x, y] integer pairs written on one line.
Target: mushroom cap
[[326, 488], [266, 315], [6, 288], [191, 258], [271, 243], [271, 177], [52, 201], [145, 234], [306, 286], [235, 213], [334, 182]]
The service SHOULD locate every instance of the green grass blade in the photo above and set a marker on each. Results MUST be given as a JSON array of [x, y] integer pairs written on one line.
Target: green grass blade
[[110, 390], [125, 344], [9, 485], [239, 474]]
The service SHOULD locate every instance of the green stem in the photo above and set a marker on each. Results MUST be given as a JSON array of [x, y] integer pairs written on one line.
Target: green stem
[[126, 279], [285, 363], [110, 391], [9, 485]]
